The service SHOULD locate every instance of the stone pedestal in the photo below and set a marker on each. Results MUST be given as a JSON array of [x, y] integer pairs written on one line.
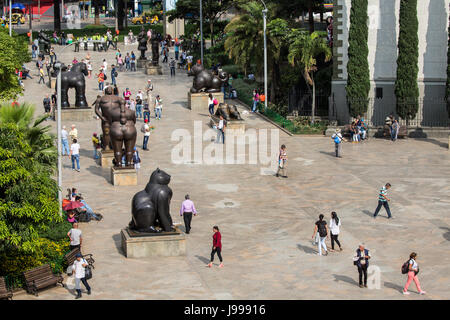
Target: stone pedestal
[[199, 101], [153, 70], [123, 177], [141, 63], [76, 114], [153, 245], [105, 158], [235, 127]]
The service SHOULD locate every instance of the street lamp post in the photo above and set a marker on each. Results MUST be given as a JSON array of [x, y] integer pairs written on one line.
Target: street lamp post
[[58, 65], [265, 55], [201, 32], [10, 18]]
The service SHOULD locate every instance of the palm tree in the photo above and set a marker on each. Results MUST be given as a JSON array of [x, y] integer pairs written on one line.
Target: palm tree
[[244, 40], [97, 12], [42, 143], [303, 52]]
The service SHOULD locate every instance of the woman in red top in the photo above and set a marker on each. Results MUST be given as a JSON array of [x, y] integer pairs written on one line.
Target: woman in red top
[[217, 247]]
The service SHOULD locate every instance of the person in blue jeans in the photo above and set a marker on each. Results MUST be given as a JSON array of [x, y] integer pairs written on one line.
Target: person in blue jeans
[[138, 108], [146, 112], [75, 154], [88, 209], [113, 75], [65, 141]]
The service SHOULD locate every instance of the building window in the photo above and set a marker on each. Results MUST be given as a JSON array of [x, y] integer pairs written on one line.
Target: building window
[[379, 93]]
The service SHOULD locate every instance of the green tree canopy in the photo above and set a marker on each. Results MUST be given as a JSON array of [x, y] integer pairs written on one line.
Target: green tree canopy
[[28, 194]]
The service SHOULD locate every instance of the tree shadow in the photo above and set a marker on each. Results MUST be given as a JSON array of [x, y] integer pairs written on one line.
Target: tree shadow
[[434, 141], [117, 238], [446, 235], [393, 286], [202, 259], [306, 249], [347, 279]]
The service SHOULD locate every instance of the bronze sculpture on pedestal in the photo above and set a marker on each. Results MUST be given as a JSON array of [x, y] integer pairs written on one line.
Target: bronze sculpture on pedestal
[[205, 80], [142, 40], [155, 49], [118, 124]]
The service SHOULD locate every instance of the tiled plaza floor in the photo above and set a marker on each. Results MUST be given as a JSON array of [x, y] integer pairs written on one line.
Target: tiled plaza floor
[[266, 222]]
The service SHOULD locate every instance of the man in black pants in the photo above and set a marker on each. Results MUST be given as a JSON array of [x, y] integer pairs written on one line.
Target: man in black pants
[[361, 260], [186, 210]]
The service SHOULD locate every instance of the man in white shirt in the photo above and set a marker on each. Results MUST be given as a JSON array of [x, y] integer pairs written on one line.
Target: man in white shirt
[[158, 107], [221, 130], [75, 154], [140, 95], [105, 66], [79, 267], [74, 235], [337, 138], [146, 130], [65, 141]]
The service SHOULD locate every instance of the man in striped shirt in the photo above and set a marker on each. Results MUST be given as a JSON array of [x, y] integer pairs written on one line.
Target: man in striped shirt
[[383, 201]]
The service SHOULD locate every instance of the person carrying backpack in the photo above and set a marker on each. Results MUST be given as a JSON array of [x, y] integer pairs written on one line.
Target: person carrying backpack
[[322, 229], [136, 159], [411, 268], [337, 138]]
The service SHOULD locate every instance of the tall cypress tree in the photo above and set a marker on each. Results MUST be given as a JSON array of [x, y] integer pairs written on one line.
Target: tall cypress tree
[[406, 87], [358, 82]]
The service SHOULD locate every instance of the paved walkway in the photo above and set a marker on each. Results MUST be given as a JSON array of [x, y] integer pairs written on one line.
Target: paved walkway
[[266, 222]]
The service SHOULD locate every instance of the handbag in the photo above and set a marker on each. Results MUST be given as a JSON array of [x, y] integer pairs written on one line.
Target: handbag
[[88, 273]]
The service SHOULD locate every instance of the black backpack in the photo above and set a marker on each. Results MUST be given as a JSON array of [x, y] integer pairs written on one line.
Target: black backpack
[[405, 267], [322, 230]]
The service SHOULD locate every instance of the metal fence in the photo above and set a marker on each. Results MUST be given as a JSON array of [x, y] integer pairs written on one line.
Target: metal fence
[[302, 105]]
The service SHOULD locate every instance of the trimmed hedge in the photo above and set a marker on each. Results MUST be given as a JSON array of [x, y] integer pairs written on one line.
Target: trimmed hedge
[[358, 82], [406, 87]]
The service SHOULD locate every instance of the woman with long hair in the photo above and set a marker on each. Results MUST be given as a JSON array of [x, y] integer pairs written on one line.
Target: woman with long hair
[[413, 270], [335, 223]]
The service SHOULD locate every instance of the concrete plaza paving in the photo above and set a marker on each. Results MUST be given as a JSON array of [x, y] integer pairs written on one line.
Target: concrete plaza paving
[[266, 222]]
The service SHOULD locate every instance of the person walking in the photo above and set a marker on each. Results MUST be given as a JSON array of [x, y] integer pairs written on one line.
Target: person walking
[[335, 224], [361, 260], [395, 127], [96, 145], [255, 100], [211, 104], [101, 79], [146, 112], [172, 65], [221, 126], [75, 154], [79, 267], [186, 211], [217, 247], [65, 141], [158, 107], [322, 229], [47, 105], [73, 133], [75, 237], [146, 135], [413, 270], [282, 161], [149, 89], [138, 107], [337, 138], [41, 75], [136, 159], [114, 74], [383, 201]]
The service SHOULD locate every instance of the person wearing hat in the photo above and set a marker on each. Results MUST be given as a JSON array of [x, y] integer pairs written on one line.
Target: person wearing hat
[[186, 211], [337, 138], [79, 267], [146, 130], [149, 88]]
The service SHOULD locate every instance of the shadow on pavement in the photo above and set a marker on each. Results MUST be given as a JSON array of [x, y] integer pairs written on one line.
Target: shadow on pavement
[[446, 235], [393, 286], [202, 259], [181, 103], [347, 279], [117, 238], [98, 171], [306, 249], [331, 154], [369, 213]]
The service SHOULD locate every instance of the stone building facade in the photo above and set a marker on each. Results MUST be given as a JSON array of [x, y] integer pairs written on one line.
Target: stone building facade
[[383, 25]]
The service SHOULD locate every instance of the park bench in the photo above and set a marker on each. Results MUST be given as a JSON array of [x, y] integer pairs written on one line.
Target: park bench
[[5, 293], [401, 132], [40, 278], [70, 257]]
